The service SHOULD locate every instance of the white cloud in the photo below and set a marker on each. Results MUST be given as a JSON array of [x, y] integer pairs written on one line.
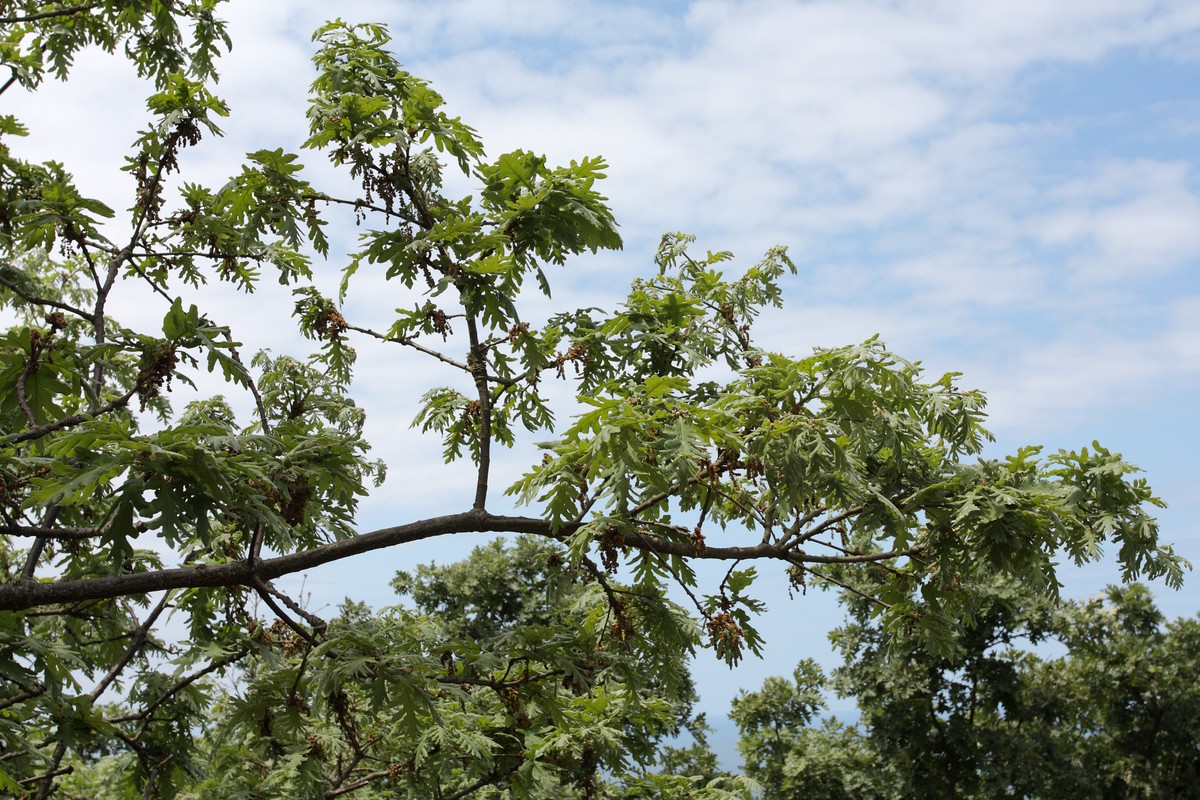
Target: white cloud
[[1130, 219], [817, 124], [1092, 369]]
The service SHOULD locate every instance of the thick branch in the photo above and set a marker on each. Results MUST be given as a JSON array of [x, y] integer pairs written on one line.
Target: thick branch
[[66, 11], [28, 594], [23, 595], [52, 532]]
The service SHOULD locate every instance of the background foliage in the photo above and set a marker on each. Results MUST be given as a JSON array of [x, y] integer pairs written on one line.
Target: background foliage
[[1117, 715]]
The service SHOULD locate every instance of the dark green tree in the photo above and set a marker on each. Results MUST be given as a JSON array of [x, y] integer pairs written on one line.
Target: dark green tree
[[1117, 716], [694, 443]]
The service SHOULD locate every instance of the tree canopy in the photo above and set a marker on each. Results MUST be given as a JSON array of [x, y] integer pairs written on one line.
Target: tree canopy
[[119, 510], [1001, 714]]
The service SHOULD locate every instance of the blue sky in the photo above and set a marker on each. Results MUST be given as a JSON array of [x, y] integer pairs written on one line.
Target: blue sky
[[1007, 189]]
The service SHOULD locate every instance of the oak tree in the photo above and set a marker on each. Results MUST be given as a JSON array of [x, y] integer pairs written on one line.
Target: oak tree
[[119, 509], [1037, 699]]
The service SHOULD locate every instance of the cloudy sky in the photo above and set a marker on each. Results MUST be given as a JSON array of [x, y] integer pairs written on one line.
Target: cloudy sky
[[1008, 188]]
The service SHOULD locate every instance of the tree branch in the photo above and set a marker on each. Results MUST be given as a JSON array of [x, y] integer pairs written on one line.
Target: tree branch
[[358, 784], [39, 544], [50, 532], [237, 655], [58, 12], [362, 205], [46, 776], [266, 593], [410, 342], [73, 420], [478, 365], [139, 641], [27, 694], [258, 401], [794, 537], [27, 594], [319, 625], [21, 595], [30, 367], [849, 588], [45, 301], [152, 780], [491, 777], [140, 635]]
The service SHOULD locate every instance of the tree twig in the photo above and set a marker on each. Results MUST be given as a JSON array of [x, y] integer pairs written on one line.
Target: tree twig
[[408, 341], [358, 784], [478, 365], [140, 634], [39, 544], [265, 592], [73, 420], [44, 301], [236, 656]]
